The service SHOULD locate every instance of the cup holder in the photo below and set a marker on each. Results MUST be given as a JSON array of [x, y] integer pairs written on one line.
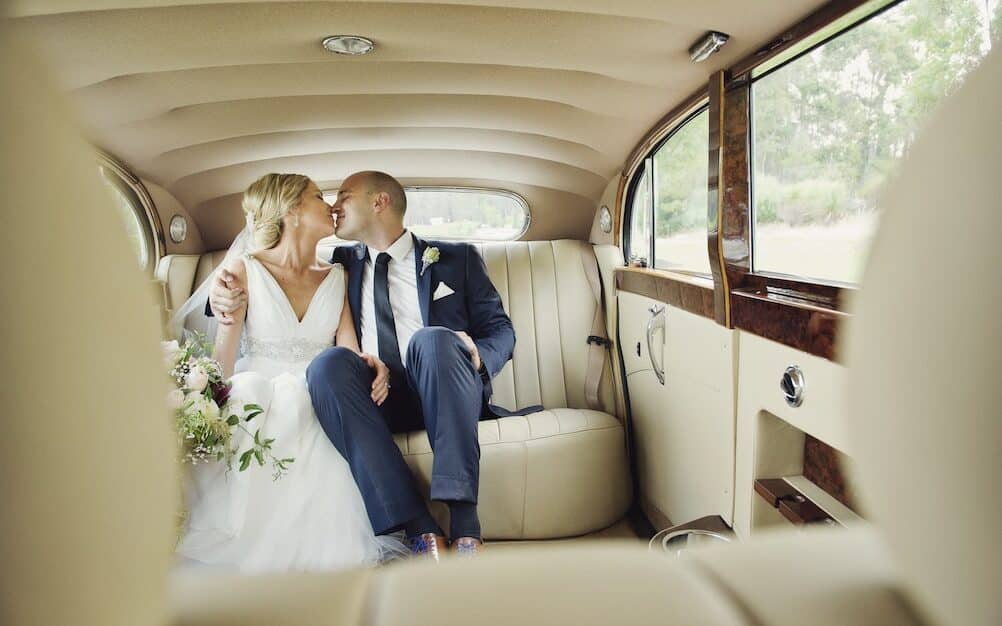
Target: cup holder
[[676, 542]]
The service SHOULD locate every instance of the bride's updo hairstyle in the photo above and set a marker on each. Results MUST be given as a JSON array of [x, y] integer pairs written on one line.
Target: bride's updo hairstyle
[[266, 203]]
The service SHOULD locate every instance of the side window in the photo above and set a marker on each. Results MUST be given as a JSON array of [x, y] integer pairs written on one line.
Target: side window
[[669, 200], [829, 127], [137, 226], [681, 168]]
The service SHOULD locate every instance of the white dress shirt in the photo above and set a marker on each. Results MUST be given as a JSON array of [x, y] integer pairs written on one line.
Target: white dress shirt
[[401, 277]]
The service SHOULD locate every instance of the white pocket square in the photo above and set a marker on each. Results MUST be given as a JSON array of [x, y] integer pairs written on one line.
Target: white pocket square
[[442, 291]]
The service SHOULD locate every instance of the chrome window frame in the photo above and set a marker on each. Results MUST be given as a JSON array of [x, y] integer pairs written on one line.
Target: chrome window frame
[[146, 213]]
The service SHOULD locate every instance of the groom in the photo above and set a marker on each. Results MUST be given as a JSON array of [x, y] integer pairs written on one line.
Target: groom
[[431, 313]]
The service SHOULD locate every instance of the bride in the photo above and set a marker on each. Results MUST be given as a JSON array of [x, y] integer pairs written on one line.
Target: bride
[[313, 518]]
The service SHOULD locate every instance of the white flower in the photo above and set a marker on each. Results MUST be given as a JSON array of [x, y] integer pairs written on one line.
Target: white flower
[[202, 405], [210, 410], [197, 379], [175, 399], [171, 352], [431, 255]]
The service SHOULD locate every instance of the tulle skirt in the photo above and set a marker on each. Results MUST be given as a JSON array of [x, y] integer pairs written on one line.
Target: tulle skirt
[[311, 519]]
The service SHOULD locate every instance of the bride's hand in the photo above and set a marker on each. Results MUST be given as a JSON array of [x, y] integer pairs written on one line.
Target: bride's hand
[[226, 297], [381, 383]]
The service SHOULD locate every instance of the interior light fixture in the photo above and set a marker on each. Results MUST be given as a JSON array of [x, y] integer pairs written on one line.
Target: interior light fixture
[[348, 44], [707, 45]]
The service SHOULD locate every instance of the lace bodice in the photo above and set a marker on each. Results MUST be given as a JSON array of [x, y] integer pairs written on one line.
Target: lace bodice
[[274, 339]]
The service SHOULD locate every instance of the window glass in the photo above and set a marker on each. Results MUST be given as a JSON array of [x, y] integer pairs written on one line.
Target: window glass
[[442, 213], [680, 198], [133, 217], [830, 127], [456, 213], [640, 216]]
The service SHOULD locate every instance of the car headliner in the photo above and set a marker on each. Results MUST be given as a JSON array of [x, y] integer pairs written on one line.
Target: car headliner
[[546, 99]]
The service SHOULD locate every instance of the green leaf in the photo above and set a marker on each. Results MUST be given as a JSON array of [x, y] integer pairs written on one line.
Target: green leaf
[[253, 407], [244, 463], [257, 437], [233, 420], [259, 456]]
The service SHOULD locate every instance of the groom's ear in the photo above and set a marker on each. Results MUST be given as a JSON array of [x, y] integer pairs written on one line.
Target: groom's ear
[[380, 201]]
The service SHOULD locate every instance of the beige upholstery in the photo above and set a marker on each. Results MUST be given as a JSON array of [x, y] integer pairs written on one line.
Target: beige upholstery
[[86, 457], [206, 264], [545, 292], [564, 471], [924, 361], [553, 117], [177, 273], [558, 473]]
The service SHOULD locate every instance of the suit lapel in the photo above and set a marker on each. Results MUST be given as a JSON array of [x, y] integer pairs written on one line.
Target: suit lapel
[[423, 279], [357, 257]]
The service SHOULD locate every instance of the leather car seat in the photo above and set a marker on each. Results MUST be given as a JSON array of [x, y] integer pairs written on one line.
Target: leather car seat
[[88, 471]]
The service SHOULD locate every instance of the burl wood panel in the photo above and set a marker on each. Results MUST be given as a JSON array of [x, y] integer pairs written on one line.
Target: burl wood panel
[[793, 505], [715, 198], [800, 324], [823, 466], [689, 293]]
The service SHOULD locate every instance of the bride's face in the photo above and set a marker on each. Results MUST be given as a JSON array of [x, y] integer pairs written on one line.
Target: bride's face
[[314, 214]]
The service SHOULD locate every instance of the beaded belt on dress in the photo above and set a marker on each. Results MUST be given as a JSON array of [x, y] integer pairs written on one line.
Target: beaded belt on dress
[[290, 350]]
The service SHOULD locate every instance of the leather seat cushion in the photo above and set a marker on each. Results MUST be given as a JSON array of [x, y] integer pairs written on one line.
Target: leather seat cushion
[[555, 473]]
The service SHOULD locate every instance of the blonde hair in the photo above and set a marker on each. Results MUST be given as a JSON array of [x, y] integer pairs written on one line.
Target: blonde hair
[[266, 203]]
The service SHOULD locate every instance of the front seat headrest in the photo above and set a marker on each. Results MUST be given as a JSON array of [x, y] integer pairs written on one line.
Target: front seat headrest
[[86, 467], [925, 357]]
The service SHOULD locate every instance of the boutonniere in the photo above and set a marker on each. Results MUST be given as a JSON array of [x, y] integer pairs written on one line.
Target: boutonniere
[[430, 256]]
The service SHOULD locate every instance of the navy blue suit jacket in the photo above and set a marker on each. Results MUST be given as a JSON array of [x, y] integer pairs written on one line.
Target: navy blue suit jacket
[[475, 307]]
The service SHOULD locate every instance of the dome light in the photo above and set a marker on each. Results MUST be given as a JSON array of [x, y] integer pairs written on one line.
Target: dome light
[[348, 44]]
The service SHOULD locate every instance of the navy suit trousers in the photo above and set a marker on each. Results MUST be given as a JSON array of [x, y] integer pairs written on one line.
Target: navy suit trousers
[[445, 392]]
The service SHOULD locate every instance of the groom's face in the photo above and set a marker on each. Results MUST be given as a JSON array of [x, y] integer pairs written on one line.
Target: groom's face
[[353, 209]]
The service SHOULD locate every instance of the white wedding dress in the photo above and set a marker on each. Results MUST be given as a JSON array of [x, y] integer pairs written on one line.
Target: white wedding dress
[[313, 518]]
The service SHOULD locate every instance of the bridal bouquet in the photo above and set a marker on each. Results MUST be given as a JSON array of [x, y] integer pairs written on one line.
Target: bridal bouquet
[[205, 421]]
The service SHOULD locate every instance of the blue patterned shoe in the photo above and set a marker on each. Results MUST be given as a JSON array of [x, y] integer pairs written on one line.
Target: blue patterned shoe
[[428, 546], [467, 546]]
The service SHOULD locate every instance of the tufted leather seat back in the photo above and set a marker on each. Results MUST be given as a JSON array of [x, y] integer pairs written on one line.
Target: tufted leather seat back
[[545, 291]]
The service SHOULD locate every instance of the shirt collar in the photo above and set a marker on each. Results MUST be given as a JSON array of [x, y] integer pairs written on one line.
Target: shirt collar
[[398, 250]]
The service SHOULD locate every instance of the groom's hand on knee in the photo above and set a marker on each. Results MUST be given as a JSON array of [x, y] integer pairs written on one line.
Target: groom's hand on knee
[[472, 347], [381, 380]]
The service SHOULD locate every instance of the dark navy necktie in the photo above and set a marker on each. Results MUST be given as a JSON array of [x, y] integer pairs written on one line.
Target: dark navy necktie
[[386, 329]]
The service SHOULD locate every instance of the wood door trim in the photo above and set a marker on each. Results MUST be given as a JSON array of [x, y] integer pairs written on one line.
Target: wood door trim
[[684, 291]]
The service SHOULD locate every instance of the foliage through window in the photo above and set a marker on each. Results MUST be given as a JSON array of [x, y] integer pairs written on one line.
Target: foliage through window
[[462, 213], [669, 198], [830, 127], [680, 198]]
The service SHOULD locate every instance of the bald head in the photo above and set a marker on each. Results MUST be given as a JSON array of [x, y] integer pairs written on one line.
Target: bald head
[[381, 182]]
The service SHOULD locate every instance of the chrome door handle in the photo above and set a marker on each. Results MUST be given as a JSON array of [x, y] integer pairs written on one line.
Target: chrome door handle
[[656, 322]]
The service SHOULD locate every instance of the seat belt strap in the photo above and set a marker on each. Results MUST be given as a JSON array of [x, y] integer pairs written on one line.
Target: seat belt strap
[[598, 342]]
